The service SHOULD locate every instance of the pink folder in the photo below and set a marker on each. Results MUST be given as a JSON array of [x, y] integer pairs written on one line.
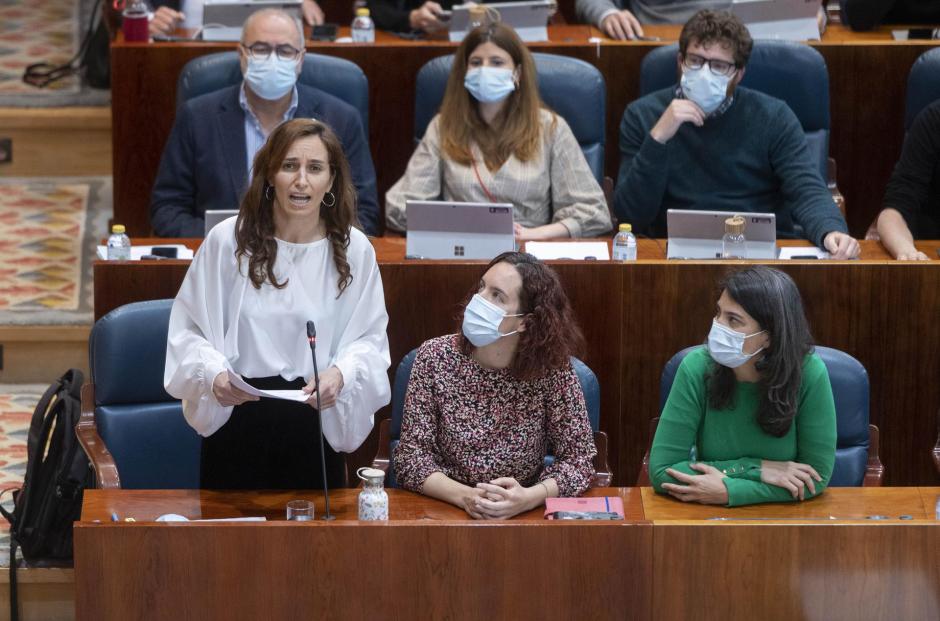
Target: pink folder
[[610, 504]]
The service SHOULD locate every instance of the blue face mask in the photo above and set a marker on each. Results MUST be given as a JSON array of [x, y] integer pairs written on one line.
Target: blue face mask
[[704, 88], [481, 321], [271, 78], [489, 84], [726, 346]]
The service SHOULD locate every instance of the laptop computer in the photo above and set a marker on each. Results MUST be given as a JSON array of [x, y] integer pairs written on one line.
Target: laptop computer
[[215, 216], [222, 19], [697, 234], [787, 20], [528, 19], [455, 230]]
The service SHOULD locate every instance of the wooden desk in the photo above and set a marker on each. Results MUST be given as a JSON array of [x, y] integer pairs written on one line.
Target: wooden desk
[[799, 563], [430, 561], [867, 122], [636, 316]]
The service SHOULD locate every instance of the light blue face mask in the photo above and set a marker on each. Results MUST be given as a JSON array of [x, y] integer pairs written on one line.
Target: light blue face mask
[[489, 84], [271, 78], [726, 346], [481, 321], [704, 87]]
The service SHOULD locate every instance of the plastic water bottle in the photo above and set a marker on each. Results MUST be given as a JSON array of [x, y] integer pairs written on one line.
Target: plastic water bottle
[[363, 29], [733, 244], [624, 244], [119, 244]]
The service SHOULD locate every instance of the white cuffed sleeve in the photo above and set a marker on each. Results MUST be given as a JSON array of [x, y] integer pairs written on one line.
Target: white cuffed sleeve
[[195, 341], [363, 359]]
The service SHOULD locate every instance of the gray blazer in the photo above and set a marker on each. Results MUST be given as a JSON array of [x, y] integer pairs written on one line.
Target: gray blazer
[[647, 11]]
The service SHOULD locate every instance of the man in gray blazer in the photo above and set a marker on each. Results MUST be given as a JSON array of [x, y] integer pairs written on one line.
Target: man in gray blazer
[[622, 19]]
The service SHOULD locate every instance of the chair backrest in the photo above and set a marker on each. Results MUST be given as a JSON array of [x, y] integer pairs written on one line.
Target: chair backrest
[[142, 426], [849, 381], [572, 88], [793, 72], [589, 386], [923, 85], [337, 76]]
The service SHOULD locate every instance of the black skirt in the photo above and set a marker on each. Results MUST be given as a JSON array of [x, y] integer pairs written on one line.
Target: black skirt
[[270, 444]]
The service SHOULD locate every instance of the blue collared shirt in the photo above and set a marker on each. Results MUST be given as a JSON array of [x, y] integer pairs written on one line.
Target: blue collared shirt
[[254, 134]]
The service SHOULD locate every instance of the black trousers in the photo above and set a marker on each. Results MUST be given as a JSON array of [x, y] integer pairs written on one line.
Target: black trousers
[[270, 444]]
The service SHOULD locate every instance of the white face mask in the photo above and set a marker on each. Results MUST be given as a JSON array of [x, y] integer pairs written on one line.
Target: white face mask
[[726, 346], [490, 84], [481, 321], [704, 88], [271, 78]]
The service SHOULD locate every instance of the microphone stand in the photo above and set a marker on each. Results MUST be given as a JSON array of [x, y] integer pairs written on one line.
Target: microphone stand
[[312, 339]]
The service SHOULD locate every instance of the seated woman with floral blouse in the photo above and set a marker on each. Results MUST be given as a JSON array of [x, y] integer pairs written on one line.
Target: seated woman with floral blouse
[[484, 407]]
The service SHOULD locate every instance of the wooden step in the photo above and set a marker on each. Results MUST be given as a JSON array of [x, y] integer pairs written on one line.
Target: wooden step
[[44, 594], [57, 142], [40, 354]]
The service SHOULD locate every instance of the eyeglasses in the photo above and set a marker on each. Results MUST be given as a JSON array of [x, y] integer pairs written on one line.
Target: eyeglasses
[[718, 67], [262, 51]]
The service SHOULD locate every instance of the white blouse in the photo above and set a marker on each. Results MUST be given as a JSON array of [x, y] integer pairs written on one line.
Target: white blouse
[[220, 321]]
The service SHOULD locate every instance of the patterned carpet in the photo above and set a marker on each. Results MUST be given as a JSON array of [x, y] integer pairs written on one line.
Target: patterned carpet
[[31, 32], [48, 231], [16, 410], [48, 31]]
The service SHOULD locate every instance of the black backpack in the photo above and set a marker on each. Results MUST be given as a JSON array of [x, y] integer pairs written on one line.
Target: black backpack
[[57, 472]]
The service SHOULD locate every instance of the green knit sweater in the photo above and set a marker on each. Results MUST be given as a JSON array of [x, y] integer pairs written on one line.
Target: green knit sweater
[[732, 440]]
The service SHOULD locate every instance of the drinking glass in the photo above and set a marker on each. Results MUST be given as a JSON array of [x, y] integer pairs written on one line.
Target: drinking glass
[[299, 511]]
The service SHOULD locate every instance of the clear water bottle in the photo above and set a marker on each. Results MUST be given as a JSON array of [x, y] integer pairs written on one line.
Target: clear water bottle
[[624, 244], [119, 244], [363, 29], [478, 17], [733, 244], [373, 499]]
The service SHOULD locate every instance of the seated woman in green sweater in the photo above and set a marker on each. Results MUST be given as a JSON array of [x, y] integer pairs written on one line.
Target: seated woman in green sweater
[[755, 405]]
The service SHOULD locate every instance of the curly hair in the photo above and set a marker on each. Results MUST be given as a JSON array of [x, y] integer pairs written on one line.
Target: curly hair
[[708, 27], [551, 334], [254, 229], [773, 300]]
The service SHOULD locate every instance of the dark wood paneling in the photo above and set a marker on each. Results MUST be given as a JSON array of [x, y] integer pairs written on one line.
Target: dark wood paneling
[[404, 569], [635, 317], [868, 75], [667, 560], [792, 572]]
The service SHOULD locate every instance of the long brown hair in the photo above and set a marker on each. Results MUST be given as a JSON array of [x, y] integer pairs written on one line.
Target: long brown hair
[[254, 229], [551, 332], [516, 130]]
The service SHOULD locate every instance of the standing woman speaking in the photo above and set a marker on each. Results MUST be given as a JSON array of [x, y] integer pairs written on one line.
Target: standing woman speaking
[[292, 254]]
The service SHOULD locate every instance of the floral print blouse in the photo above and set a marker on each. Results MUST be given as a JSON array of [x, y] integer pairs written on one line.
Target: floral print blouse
[[475, 424]]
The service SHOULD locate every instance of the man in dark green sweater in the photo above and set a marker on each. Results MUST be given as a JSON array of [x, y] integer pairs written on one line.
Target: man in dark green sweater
[[707, 144]]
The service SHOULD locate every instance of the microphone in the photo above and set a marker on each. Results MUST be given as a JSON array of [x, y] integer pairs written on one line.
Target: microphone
[[312, 339]]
